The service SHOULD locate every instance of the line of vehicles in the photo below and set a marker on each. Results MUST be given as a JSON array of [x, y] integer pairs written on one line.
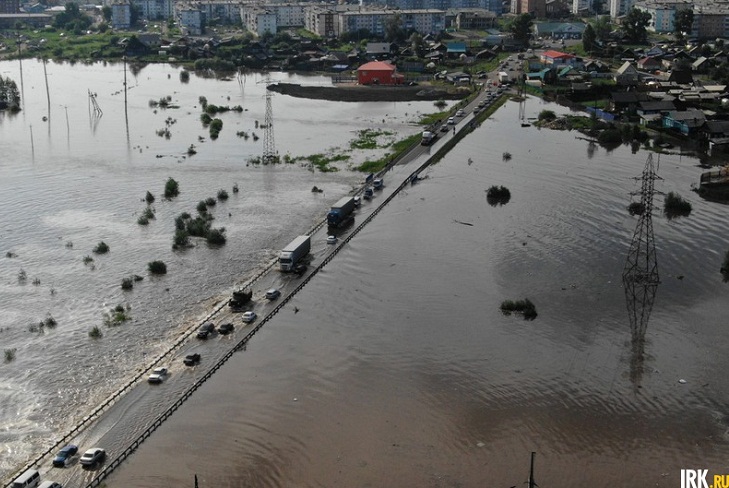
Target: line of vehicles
[[65, 457]]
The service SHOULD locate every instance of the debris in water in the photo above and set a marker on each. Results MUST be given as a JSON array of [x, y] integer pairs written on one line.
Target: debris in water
[[682, 381], [462, 223]]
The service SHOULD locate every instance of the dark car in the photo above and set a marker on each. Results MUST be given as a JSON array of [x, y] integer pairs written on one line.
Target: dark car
[[191, 359], [300, 269], [225, 328], [64, 456], [205, 330]]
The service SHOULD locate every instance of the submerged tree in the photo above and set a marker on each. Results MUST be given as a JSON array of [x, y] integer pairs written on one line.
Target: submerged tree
[[9, 95]]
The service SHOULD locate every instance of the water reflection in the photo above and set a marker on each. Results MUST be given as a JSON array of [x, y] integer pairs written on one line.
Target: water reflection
[[640, 274]]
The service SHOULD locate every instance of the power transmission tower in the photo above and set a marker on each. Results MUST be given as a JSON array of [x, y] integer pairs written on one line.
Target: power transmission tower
[[640, 274], [269, 145]]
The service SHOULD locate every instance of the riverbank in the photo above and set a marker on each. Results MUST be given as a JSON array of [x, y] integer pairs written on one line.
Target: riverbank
[[371, 93]]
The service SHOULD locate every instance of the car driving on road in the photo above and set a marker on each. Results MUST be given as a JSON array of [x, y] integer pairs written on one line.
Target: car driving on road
[[93, 456]]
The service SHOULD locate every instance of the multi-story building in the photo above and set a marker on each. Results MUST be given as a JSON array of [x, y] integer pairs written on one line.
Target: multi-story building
[[537, 8], [475, 19], [155, 9], [121, 15], [225, 11], [581, 6], [492, 5], [9, 6], [190, 18], [618, 8], [259, 20], [663, 13], [710, 21], [375, 21]]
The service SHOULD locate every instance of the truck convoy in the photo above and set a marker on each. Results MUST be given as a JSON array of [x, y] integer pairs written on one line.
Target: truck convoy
[[428, 138], [293, 252], [341, 212]]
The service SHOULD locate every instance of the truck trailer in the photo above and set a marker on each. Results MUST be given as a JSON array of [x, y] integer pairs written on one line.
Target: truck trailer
[[341, 212], [428, 138], [293, 252]]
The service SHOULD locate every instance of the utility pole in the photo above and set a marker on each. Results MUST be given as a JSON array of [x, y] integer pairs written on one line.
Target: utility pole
[[532, 483], [269, 145]]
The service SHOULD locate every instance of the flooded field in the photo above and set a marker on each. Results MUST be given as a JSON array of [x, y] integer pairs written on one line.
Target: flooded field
[[395, 366]]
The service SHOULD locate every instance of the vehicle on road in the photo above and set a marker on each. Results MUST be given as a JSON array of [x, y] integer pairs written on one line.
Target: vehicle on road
[[378, 183], [65, 455], [444, 128], [28, 479], [300, 269], [249, 316], [225, 329], [50, 484], [369, 193], [205, 330], [93, 456], [158, 375], [273, 294], [460, 113], [191, 359], [357, 201], [293, 252], [340, 214], [428, 138], [240, 298], [332, 240], [451, 120]]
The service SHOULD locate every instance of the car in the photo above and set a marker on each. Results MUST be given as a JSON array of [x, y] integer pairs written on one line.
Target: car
[[460, 113], [191, 359], [205, 330], [158, 375], [357, 201], [444, 128], [65, 455], [273, 294], [451, 121], [226, 328], [249, 316], [378, 183], [332, 240], [50, 484], [93, 456], [368, 193]]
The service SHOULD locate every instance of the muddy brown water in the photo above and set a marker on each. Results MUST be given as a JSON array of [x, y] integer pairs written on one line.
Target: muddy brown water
[[395, 367]]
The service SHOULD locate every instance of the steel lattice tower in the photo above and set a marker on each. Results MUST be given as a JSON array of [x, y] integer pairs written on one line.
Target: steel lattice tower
[[640, 274], [641, 266], [269, 145]]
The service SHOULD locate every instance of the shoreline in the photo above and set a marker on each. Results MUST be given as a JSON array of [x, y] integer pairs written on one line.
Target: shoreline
[[360, 93]]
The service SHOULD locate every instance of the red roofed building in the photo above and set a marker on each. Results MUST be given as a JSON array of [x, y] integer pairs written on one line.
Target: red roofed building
[[378, 73], [557, 57]]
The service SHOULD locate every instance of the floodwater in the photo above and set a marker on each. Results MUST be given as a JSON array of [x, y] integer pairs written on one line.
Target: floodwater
[[70, 179], [395, 366]]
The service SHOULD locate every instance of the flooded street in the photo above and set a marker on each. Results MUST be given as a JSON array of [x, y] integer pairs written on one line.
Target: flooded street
[[395, 366]]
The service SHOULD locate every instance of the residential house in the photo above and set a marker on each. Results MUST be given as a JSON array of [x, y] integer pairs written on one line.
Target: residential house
[[557, 58], [378, 73], [686, 122], [378, 50], [627, 75], [649, 64], [626, 102]]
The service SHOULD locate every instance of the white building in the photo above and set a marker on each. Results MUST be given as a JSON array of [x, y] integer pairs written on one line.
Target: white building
[[190, 19], [375, 21], [259, 20], [155, 9], [226, 11], [323, 20], [618, 8]]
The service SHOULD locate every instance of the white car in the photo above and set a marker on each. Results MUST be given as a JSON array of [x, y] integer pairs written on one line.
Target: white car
[[332, 240], [451, 121], [158, 375], [460, 113], [93, 456], [249, 316]]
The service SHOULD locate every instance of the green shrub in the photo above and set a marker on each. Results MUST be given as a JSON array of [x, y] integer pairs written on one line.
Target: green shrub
[[202, 206], [675, 206], [215, 127], [498, 195], [101, 248], [117, 315], [636, 208], [181, 239], [10, 355], [148, 213], [222, 195], [205, 119], [88, 260], [142, 220], [547, 115], [149, 198], [95, 333], [157, 267], [50, 322], [172, 188], [525, 307], [210, 202], [216, 237], [127, 284], [610, 137], [198, 227]]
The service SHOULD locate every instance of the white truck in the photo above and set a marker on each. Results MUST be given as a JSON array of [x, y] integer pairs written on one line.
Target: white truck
[[293, 252], [428, 138], [503, 77]]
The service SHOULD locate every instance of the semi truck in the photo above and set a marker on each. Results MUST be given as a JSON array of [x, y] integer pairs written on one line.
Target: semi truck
[[341, 212], [293, 252], [428, 138]]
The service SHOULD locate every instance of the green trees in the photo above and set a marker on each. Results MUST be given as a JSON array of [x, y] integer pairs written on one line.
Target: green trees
[[521, 28], [588, 38], [682, 22], [72, 19], [9, 94], [635, 24]]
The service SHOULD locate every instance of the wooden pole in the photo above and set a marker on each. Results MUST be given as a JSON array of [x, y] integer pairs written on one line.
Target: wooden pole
[[48, 92], [532, 483]]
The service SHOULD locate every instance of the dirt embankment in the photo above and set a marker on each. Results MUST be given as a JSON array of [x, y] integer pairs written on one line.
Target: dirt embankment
[[359, 93]]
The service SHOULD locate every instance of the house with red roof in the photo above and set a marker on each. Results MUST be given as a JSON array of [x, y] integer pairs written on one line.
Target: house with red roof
[[378, 73], [552, 57]]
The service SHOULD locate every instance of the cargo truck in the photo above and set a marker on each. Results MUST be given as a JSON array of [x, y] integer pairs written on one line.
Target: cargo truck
[[428, 138], [293, 252], [341, 212]]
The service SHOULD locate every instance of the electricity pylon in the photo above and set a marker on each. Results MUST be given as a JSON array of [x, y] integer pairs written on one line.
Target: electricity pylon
[[269, 145]]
